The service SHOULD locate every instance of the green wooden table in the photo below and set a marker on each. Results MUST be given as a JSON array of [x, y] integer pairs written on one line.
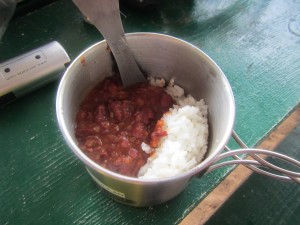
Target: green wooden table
[[261, 200], [257, 45]]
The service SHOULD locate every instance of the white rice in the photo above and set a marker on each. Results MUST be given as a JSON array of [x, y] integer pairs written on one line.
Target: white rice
[[187, 134]]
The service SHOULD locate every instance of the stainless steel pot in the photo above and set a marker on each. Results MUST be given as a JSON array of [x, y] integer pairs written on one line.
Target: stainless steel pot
[[159, 56]]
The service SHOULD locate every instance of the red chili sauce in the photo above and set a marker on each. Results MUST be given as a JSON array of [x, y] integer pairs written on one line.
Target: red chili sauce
[[112, 122]]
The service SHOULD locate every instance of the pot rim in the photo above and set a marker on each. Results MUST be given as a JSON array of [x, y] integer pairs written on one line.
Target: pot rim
[[90, 163]]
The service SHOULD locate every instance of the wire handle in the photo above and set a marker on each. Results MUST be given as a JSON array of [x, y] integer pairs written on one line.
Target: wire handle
[[258, 163]]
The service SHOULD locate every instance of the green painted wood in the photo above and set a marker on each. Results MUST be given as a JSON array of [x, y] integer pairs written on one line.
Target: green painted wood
[[256, 43], [262, 200]]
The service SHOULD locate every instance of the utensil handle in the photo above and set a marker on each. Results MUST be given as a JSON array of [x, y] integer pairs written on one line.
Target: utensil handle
[[286, 175], [105, 16]]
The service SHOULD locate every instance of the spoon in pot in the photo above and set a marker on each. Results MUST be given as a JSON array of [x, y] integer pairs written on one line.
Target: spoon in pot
[[105, 16]]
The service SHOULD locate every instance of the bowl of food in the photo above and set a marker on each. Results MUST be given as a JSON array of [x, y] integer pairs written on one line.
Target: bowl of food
[[143, 144]]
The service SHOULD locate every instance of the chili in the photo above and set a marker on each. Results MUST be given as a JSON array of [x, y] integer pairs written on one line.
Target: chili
[[112, 122]]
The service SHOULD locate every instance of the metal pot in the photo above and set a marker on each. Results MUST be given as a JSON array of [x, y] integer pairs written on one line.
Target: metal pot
[[159, 56]]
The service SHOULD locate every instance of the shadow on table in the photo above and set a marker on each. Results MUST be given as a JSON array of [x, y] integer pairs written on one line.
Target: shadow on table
[[262, 200]]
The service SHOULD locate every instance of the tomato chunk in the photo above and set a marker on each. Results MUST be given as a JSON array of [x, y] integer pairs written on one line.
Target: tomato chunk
[[113, 122]]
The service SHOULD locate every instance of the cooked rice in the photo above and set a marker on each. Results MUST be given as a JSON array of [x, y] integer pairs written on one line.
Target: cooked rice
[[186, 143]]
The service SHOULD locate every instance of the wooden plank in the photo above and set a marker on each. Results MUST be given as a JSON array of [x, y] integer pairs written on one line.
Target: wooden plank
[[254, 42], [206, 209]]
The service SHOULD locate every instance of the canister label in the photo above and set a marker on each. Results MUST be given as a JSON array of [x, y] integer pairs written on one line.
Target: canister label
[[117, 193]]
